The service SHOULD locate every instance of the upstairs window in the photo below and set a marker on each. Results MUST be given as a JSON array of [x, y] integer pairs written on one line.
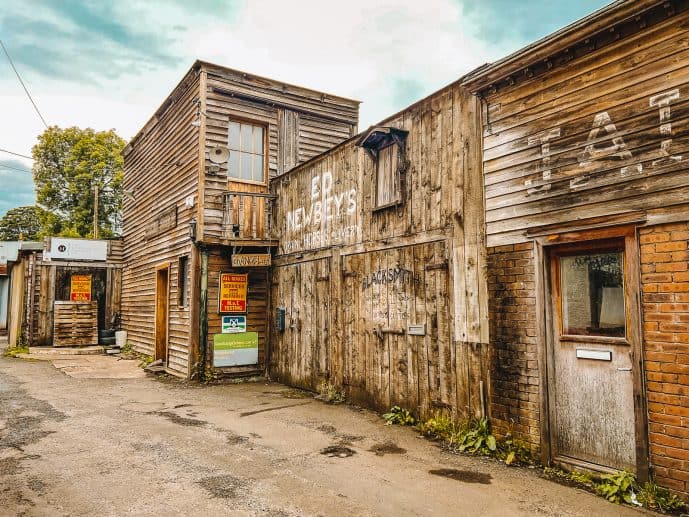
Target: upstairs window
[[386, 146], [388, 188], [247, 152]]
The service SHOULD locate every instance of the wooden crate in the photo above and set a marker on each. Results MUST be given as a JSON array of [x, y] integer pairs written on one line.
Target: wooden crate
[[76, 324]]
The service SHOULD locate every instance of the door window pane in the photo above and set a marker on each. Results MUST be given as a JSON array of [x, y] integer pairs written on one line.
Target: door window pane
[[593, 294]]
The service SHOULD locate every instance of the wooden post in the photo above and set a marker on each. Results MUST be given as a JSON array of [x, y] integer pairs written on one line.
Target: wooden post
[[203, 315], [95, 211]]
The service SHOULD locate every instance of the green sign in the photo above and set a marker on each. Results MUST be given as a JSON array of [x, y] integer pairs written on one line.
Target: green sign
[[235, 349]]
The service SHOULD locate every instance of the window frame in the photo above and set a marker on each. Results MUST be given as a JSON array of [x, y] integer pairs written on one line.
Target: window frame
[[596, 247], [182, 281], [396, 177], [266, 150]]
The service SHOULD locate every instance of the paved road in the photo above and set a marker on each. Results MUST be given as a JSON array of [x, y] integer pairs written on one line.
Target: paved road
[[142, 446]]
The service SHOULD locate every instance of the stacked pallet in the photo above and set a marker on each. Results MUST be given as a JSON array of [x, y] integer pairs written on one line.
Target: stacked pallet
[[76, 324]]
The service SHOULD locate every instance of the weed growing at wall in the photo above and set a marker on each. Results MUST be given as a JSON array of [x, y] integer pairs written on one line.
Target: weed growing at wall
[[16, 350], [399, 416], [330, 393]]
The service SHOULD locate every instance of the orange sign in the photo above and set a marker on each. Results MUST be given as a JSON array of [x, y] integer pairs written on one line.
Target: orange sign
[[80, 290], [233, 292]]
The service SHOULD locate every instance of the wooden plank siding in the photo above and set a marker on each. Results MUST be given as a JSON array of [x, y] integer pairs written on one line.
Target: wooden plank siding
[[161, 171], [353, 277], [602, 137], [299, 124], [170, 181]]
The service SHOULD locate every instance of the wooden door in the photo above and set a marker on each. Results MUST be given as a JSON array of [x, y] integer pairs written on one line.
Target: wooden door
[[592, 354], [301, 353], [384, 294], [162, 312]]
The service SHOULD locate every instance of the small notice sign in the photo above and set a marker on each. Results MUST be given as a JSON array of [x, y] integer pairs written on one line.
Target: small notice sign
[[235, 349], [233, 324], [251, 260], [233, 289], [80, 288]]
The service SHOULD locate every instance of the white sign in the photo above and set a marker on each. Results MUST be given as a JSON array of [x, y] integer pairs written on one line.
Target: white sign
[[77, 249], [233, 324]]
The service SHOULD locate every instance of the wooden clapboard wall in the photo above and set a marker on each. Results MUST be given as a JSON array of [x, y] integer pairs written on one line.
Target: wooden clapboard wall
[[299, 123], [257, 301], [603, 135], [161, 171], [344, 325]]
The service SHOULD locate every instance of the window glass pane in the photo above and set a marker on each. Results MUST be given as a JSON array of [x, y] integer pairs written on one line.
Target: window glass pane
[[593, 295], [258, 140], [245, 166], [246, 138], [233, 164], [234, 135], [258, 167]]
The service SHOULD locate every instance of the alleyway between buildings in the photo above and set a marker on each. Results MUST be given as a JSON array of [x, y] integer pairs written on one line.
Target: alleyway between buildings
[[78, 445]]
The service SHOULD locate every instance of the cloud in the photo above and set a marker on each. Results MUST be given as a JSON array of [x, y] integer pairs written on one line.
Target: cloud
[[111, 64], [17, 187], [513, 24]]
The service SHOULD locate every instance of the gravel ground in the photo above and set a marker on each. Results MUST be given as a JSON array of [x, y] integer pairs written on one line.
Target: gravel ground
[[146, 446]]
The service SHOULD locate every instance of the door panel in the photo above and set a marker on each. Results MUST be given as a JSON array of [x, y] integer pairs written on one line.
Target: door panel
[[592, 414], [384, 292]]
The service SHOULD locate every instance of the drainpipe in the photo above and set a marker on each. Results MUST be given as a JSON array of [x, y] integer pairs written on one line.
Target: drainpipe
[[203, 314]]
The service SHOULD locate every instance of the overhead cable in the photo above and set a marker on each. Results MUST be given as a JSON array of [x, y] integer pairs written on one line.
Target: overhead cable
[[16, 72]]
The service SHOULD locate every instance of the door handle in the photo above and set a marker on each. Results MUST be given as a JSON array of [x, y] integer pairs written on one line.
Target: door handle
[[624, 369]]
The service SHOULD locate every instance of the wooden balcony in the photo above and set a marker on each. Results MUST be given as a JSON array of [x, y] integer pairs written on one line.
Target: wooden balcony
[[247, 218]]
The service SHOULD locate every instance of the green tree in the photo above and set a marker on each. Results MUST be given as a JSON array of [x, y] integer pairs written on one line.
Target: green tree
[[24, 221], [68, 164]]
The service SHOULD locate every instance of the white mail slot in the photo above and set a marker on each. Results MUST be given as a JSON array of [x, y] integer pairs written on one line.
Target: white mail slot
[[417, 330], [596, 355]]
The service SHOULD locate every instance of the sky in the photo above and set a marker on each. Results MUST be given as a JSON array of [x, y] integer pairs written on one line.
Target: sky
[[106, 65]]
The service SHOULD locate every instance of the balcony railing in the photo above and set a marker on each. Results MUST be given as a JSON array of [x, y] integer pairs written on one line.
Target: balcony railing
[[247, 216]]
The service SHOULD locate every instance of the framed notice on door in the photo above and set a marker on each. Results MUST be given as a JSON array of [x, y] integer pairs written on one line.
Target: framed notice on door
[[80, 288], [232, 292]]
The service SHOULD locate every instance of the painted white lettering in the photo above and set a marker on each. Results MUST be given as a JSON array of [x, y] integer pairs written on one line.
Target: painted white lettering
[[662, 101], [543, 139], [351, 202], [338, 198], [618, 148], [327, 183], [315, 184]]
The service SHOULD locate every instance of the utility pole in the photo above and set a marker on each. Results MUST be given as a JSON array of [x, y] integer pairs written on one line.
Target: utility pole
[[95, 211]]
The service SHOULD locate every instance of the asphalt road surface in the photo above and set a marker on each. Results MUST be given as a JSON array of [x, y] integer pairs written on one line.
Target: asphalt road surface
[[78, 439]]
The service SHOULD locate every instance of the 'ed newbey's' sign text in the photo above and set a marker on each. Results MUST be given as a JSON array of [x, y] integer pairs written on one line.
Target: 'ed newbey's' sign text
[[328, 218]]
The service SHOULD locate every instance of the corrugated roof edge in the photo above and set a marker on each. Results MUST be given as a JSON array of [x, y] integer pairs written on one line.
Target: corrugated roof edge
[[605, 17]]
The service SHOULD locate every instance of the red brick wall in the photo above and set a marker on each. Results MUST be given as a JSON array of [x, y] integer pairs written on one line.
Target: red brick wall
[[514, 400], [665, 285]]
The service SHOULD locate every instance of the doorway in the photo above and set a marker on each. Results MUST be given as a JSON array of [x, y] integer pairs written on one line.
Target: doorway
[[162, 312], [594, 370]]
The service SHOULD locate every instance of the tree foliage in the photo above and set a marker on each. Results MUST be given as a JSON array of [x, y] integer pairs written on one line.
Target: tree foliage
[[68, 164], [24, 222]]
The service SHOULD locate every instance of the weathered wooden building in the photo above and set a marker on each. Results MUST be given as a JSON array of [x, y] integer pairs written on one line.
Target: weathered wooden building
[[63, 291], [380, 269], [197, 210], [587, 228]]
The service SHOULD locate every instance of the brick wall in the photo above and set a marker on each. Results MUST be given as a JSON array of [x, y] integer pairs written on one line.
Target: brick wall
[[665, 285], [514, 401]]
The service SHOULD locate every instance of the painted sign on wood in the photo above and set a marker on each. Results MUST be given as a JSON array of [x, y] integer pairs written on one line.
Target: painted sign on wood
[[235, 349], [251, 260], [233, 289], [80, 288]]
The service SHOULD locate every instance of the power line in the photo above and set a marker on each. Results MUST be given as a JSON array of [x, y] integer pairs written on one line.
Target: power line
[[16, 154], [22, 83], [3, 166]]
